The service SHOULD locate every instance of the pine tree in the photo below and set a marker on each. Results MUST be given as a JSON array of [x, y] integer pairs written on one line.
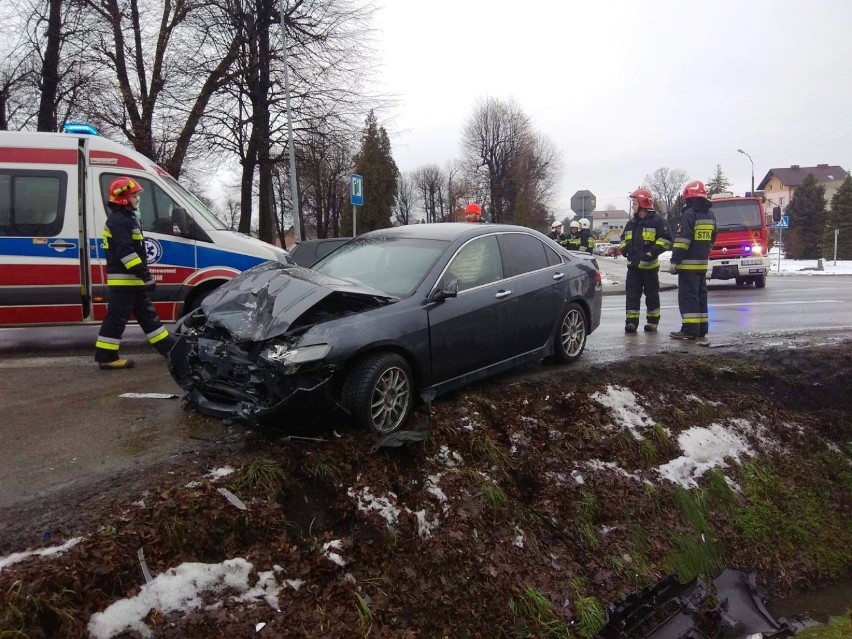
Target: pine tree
[[840, 218], [807, 220], [375, 164], [719, 183]]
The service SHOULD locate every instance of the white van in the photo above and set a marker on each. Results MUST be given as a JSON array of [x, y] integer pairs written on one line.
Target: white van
[[52, 212]]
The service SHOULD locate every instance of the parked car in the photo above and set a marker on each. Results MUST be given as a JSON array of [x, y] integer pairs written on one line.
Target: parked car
[[415, 310], [307, 252], [613, 250]]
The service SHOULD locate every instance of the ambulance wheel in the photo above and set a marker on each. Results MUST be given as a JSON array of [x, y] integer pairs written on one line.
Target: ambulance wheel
[[571, 333], [194, 302], [760, 281]]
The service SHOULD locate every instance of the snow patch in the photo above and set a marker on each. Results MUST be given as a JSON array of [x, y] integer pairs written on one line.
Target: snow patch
[[328, 551], [16, 557], [218, 473], [628, 412], [705, 448]]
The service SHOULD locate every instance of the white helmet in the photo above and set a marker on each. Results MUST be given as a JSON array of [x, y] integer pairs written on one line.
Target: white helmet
[[556, 225], [574, 224], [584, 223]]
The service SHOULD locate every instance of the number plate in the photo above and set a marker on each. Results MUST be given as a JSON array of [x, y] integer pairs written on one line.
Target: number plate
[[752, 262]]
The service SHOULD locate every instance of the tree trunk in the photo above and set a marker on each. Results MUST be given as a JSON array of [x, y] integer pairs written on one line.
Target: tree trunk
[[50, 68]]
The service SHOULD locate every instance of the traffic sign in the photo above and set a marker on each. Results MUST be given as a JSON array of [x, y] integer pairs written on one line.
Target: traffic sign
[[783, 223], [583, 203], [356, 190]]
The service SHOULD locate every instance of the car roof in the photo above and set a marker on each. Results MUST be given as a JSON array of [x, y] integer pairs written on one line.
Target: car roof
[[445, 230]]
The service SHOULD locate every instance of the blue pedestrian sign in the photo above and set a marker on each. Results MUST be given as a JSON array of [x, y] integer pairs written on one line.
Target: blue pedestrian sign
[[356, 190], [783, 223]]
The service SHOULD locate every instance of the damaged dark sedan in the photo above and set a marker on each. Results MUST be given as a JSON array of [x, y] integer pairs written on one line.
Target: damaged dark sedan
[[394, 314]]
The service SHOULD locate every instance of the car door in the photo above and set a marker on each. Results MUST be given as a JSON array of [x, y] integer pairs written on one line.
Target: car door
[[538, 279], [469, 332]]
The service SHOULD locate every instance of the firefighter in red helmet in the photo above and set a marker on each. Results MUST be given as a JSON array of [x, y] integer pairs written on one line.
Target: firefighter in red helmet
[[473, 213], [690, 257], [128, 278], [645, 236]]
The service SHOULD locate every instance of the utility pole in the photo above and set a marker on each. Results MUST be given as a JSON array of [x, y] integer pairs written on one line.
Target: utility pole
[[294, 188]]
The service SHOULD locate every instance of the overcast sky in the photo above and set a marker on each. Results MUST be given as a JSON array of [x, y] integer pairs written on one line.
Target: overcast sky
[[625, 87]]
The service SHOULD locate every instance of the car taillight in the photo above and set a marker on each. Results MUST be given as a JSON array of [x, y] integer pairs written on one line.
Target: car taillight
[[598, 277]]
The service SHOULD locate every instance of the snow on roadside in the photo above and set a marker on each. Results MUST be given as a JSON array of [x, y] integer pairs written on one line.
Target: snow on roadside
[[181, 589], [388, 510], [628, 412], [218, 473], [705, 448], [16, 557]]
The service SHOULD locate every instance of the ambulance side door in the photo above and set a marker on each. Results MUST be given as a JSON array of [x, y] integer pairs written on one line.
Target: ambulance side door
[[40, 258]]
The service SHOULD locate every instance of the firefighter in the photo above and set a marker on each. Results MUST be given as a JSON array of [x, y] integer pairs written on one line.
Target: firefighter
[[573, 241], [473, 213], [556, 233], [128, 279], [587, 242], [645, 236], [694, 238]]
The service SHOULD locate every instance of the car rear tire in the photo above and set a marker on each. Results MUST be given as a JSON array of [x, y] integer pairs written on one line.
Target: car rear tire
[[379, 392], [571, 334], [760, 281]]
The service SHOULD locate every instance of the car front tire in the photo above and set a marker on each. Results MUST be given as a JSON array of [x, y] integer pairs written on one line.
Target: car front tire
[[379, 392], [571, 334]]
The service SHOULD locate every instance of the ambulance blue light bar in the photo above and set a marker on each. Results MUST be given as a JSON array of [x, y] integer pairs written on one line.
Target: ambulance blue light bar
[[79, 127]]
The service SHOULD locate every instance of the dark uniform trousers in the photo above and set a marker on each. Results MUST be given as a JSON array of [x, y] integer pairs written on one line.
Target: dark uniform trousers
[[692, 300], [122, 302], [647, 281]]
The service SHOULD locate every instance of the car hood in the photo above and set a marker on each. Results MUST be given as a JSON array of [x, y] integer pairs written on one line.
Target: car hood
[[265, 301]]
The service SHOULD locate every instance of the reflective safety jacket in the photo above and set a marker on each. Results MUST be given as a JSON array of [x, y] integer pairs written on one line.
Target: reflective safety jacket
[[124, 244], [560, 238], [573, 242], [587, 242], [694, 239], [643, 239]]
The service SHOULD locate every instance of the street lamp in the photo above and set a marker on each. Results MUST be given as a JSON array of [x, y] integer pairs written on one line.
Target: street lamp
[[752, 168]]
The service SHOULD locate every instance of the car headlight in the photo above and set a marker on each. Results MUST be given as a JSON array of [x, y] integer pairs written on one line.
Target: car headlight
[[757, 249], [286, 356]]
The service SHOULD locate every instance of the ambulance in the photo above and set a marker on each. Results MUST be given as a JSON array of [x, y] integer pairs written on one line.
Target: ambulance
[[53, 194]]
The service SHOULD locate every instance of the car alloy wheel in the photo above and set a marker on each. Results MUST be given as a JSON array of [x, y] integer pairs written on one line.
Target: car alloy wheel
[[571, 334], [379, 392]]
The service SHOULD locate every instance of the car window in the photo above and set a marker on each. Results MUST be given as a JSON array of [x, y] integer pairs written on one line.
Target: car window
[[477, 263], [155, 205], [32, 202], [324, 248], [553, 258], [522, 253]]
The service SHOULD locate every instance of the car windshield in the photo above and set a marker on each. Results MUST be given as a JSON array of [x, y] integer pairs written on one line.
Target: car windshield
[[393, 265], [743, 215]]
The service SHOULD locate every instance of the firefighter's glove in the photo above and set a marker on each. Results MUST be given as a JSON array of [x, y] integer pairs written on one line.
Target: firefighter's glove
[[150, 283], [673, 268]]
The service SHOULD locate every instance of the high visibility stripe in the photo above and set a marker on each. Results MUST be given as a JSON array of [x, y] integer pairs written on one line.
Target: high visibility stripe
[[628, 235], [137, 236], [655, 313], [106, 346], [129, 257], [649, 234], [664, 243], [691, 320], [157, 335], [109, 340], [648, 266], [691, 267]]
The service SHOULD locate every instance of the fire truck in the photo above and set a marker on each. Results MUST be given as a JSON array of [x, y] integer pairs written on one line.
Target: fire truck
[[741, 250]]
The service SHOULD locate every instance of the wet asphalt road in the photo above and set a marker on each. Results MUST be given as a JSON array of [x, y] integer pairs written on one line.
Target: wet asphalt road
[[64, 425]]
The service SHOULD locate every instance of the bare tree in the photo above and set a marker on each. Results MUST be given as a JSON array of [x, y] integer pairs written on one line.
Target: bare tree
[[510, 162], [405, 196], [666, 184], [429, 181]]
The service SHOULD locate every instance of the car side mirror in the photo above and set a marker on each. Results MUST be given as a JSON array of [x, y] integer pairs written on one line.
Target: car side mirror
[[449, 289], [776, 214], [182, 221]]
